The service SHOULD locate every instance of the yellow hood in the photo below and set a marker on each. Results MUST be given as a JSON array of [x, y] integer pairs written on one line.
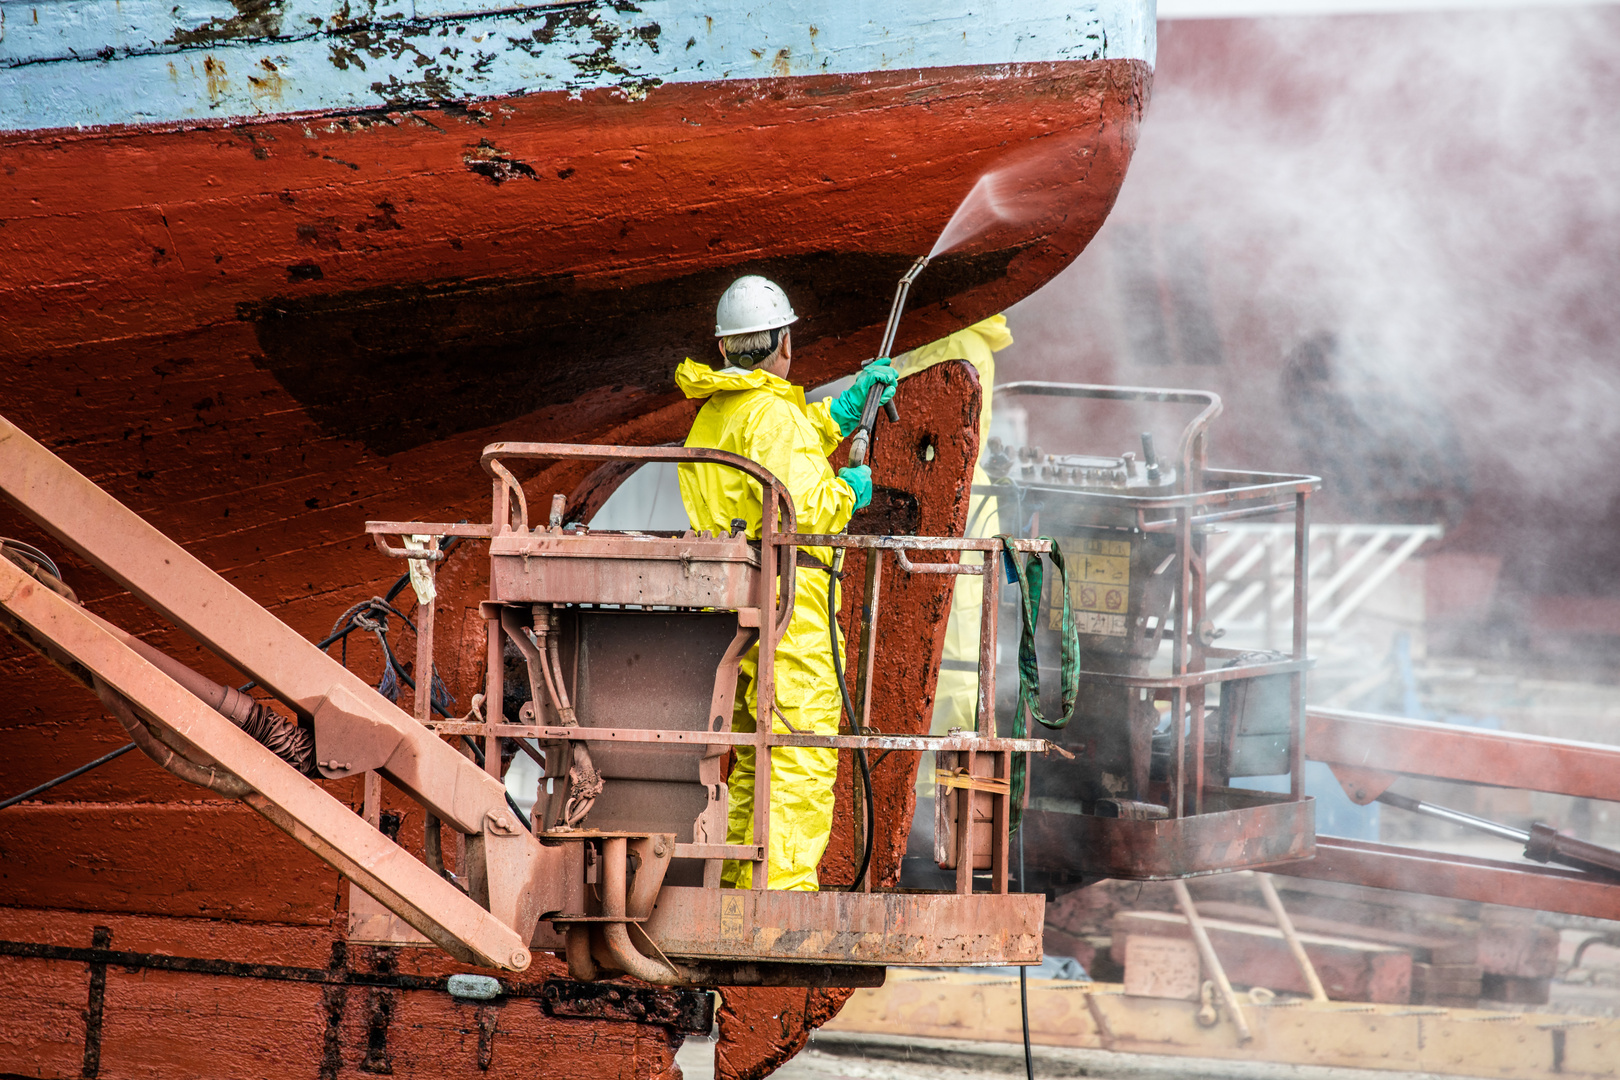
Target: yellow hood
[[697, 380], [974, 344]]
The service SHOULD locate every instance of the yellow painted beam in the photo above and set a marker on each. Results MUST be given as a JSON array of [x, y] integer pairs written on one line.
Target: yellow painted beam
[[1454, 1042]]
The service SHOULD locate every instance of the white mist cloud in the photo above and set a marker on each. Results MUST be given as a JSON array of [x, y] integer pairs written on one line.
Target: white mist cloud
[[1442, 191]]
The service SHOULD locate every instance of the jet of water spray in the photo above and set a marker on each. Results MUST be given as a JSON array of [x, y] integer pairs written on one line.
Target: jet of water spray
[[1029, 188], [976, 213]]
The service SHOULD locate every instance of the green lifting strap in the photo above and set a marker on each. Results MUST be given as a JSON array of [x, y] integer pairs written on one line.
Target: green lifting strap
[[1030, 578]]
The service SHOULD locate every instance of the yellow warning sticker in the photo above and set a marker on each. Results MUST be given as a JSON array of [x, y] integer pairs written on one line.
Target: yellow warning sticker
[[1099, 585], [731, 917], [1092, 546]]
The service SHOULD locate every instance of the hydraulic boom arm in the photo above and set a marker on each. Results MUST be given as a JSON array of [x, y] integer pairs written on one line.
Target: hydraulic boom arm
[[355, 727]]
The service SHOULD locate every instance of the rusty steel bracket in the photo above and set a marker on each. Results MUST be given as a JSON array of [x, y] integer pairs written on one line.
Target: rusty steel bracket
[[348, 739], [1362, 785]]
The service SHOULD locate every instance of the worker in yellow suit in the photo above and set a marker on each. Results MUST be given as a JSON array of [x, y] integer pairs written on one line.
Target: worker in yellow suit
[[751, 409], [957, 695]]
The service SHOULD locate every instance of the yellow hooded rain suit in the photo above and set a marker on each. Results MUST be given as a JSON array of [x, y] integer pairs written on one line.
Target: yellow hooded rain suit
[[765, 418], [957, 696]]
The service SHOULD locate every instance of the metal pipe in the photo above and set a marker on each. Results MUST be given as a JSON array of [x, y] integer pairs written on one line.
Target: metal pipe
[[1291, 936], [577, 948], [214, 779], [1542, 843], [554, 652], [286, 740], [862, 438], [653, 855], [626, 957], [1206, 950], [899, 305], [1456, 817]]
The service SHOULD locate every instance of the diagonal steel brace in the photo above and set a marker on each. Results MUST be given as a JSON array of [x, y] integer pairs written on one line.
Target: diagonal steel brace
[[353, 721]]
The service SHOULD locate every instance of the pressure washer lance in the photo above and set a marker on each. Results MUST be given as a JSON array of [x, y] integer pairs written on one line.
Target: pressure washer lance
[[1542, 843], [857, 456], [863, 434]]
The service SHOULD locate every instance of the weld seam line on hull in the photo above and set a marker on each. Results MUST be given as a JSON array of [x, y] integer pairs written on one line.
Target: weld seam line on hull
[[277, 972], [95, 1004], [235, 968]]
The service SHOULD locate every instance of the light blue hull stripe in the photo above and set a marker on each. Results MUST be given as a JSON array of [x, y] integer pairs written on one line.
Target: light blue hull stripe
[[74, 63]]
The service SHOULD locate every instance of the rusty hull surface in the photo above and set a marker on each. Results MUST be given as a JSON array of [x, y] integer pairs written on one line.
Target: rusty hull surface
[[360, 279], [171, 869], [238, 331], [92, 993]]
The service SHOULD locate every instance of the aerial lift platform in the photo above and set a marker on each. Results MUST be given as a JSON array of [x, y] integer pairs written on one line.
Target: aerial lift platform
[[630, 644], [1167, 723]]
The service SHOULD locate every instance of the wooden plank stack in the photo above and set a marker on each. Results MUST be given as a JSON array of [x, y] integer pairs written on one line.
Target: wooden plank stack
[[1367, 944]]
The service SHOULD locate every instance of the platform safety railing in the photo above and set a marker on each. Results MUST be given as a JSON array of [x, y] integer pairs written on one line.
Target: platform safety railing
[[777, 589]]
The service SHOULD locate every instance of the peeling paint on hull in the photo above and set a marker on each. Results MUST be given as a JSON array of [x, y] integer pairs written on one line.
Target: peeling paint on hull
[[93, 62]]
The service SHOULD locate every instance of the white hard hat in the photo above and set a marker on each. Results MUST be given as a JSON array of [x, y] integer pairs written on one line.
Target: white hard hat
[[750, 305]]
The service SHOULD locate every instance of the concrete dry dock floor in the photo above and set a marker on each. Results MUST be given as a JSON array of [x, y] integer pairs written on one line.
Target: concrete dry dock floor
[[948, 1024], [841, 1056]]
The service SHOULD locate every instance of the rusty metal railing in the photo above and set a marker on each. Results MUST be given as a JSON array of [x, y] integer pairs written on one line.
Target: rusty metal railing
[[774, 601]]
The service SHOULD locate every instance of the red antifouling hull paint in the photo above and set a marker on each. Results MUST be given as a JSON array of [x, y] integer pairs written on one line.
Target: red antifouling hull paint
[[259, 336]]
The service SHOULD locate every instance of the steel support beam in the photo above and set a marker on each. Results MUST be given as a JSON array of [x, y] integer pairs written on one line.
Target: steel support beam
[[1437, 873], [176, 584], [356, 728], [1469, 755], [291, 801]]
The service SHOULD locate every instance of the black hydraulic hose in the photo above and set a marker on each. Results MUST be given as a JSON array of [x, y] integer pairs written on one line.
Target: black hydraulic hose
[[849, 707], [478, 756]]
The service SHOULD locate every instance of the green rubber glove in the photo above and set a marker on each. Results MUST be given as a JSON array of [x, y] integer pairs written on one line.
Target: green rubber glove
[[846, 410], [858, 477]]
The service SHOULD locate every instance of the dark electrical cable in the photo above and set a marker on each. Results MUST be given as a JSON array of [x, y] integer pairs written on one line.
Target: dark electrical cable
[[1023, 977], [33, 555], [860, 752], [445, 545], [65, 777]]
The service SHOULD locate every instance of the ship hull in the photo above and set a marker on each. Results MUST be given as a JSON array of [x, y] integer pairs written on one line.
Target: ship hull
[[268, 273], [408, 275]]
